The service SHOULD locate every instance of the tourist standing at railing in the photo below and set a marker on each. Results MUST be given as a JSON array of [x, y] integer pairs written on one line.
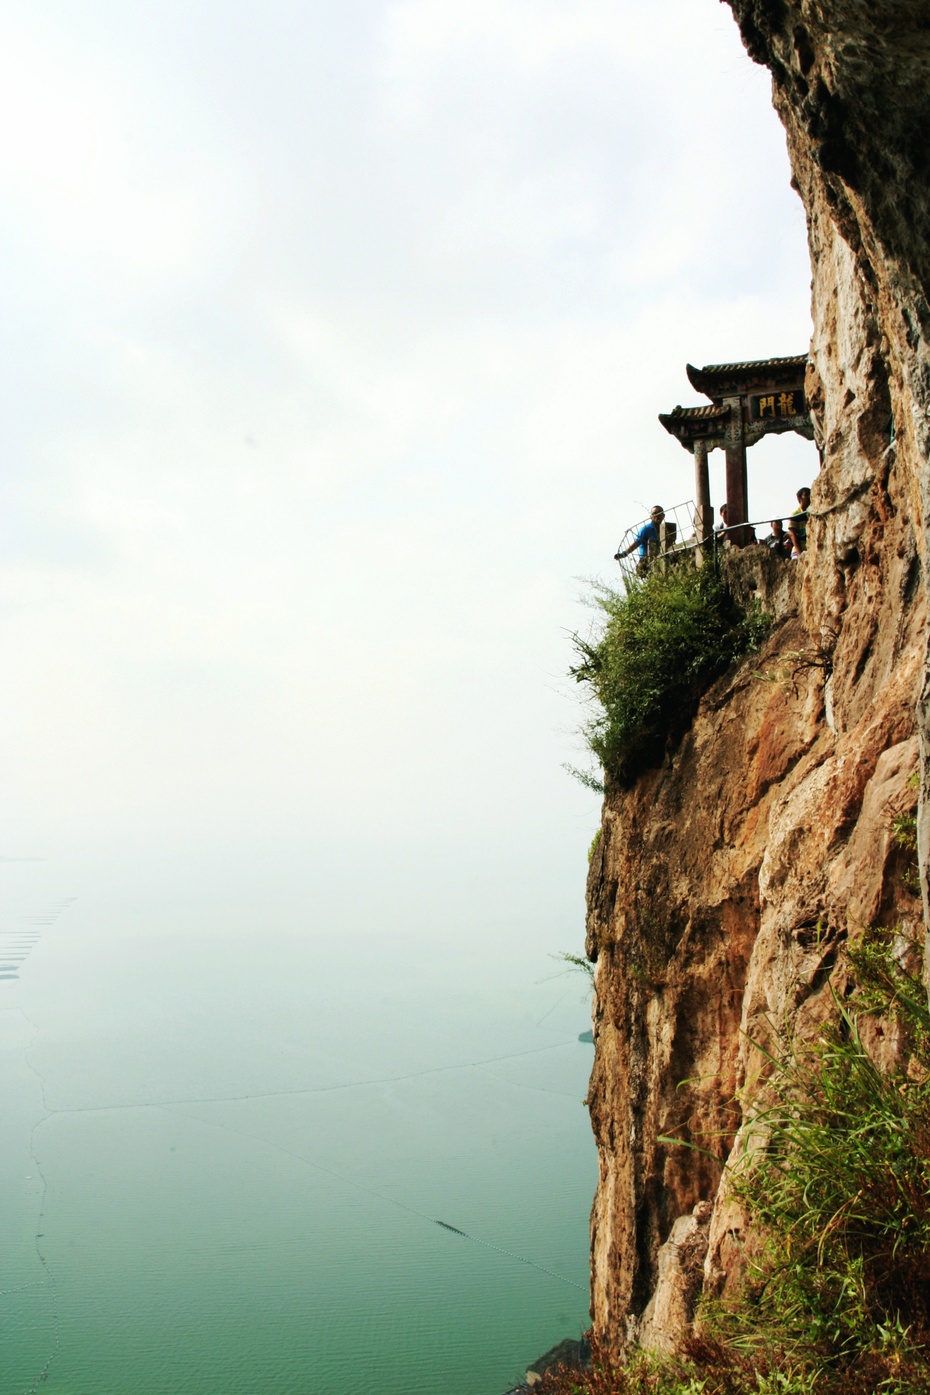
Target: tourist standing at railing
[[797, 524], [726, 533], [649, 533], [778, 540]]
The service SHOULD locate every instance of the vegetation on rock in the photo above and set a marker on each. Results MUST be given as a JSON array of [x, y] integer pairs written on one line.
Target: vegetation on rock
[[664, 640]]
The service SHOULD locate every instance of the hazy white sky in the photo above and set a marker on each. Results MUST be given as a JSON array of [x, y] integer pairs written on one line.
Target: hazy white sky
[[334, 339]]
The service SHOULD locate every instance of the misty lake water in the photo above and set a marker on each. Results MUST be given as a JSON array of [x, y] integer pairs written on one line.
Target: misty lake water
[[229, 1134]]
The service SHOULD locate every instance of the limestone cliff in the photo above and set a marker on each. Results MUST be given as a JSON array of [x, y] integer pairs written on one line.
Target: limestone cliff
[[726, 881]]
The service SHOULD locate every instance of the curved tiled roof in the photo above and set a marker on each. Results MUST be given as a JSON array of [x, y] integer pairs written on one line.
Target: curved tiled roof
[[704, 379], [709, 413], [686, 422]]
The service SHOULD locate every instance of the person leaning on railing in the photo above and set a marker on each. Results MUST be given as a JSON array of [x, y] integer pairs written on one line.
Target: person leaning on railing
[[647, 534]]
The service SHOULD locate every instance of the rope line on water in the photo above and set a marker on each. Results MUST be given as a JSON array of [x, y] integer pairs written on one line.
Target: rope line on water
[[510, 1254], [313, 1089]]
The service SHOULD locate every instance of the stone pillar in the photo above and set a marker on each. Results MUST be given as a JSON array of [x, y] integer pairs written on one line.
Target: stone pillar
[[703, 514], [737, 482]]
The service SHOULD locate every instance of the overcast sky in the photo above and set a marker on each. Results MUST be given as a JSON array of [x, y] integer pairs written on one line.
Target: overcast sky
[[334, 337]]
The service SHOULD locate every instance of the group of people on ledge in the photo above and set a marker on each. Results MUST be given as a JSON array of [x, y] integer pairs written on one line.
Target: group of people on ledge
[[785, 542]]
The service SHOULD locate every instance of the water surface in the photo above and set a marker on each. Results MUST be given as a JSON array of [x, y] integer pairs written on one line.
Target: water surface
[[243, 1152]]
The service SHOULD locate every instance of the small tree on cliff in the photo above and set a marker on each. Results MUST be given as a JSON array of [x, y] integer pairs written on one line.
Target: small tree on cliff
[[662, 642]]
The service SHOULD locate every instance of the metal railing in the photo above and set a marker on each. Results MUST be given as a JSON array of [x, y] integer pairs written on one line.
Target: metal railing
[[720, 536], [680, 515], [632, 565]]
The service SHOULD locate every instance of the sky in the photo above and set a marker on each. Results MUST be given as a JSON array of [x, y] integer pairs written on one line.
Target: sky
[[334, 340]]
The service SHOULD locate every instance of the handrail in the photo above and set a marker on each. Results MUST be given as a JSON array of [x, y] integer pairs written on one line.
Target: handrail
[[692, 543], [629, 566]]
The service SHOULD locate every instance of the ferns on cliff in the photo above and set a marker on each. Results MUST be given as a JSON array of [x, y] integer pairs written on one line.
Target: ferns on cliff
[[664, 639]]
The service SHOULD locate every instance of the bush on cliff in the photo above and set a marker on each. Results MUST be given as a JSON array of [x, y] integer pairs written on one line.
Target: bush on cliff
[[663, 641]]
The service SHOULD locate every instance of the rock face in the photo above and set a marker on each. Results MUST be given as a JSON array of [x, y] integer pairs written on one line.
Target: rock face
[[725, 882], [850, 83]]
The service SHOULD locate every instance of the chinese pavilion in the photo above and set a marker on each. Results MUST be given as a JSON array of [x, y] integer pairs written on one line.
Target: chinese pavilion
[[748, 401]]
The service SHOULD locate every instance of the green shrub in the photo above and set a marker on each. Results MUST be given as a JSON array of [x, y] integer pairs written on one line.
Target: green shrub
[[665, 638]]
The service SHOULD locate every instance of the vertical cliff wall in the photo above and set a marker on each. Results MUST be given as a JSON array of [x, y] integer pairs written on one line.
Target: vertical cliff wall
[[727, 881], [851, 83]]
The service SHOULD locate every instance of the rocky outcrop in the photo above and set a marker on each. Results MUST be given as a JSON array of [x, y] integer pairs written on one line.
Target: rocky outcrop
[[568, 1354], [680, 1280], [726, 882]]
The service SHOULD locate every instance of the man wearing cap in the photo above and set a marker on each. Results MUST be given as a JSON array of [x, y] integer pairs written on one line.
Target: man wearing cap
[[647, 534]]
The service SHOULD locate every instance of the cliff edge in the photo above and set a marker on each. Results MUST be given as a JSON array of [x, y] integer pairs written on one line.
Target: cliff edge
[[727, 880]]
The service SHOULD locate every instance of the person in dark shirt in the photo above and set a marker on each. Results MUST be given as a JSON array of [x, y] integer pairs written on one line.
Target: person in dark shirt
[[778, 540], [797, 523]]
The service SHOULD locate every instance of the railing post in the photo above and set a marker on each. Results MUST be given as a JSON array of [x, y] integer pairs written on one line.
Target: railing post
[[668, 532]]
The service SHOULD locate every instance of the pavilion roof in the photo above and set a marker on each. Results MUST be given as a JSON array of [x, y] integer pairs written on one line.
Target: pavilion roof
[[691, 424], [714, 379]]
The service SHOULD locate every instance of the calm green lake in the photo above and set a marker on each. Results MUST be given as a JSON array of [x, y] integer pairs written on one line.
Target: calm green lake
[[229, 1136]]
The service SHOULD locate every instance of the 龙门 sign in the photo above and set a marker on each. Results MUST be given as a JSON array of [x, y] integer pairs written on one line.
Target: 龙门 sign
[[776, 406]]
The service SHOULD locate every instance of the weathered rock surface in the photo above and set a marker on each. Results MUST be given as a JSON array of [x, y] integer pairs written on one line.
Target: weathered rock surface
[[726, 882], [680, 1279]]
